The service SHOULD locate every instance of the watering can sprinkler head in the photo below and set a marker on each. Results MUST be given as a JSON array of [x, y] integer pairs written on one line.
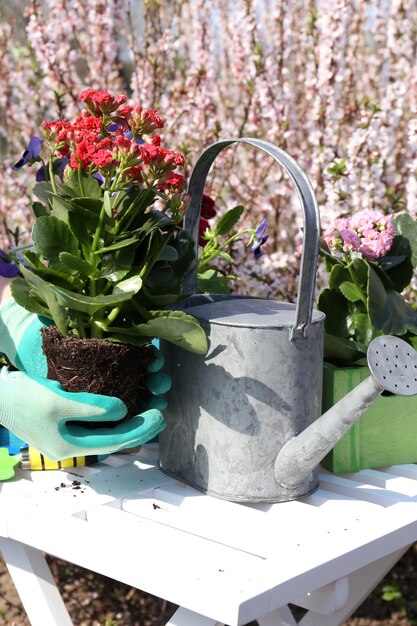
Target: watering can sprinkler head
[[393, 366]]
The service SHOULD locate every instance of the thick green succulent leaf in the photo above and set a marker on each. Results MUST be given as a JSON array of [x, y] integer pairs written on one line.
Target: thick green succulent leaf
[[398, 263], [90, 187], [339, 274], [388, 310], [342, 350], [117, 264], [45, 292], [89, 304], [176, 327], [161, 277], [21, 292], [351, 291], [75, 264], [43, 191], [406, 226], [169, 253], [39, 209], [336, 308], [360, 328], [52, 236], [122, 243], [129, 286]]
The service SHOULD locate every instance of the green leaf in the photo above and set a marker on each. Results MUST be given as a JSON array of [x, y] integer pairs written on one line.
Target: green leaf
[[341, 350], [60, 208], [228, 220], [123, 243], [406, 226], [43, 191], [168, 254], [361, 328], [90, 185], [176, 327], [45, 293], [39, 209], [130, 286], [21, 293], [351, 291], [398, 263], [117, 264], [74, 263], [212, 281], [339, 274], [336, 308], [161, 277], [89, 304], [33, 260], [388, 310], [52, 236]]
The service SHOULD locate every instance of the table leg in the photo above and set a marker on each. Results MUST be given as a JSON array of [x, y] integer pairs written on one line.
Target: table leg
[[361, 583], [34, 584], [184, 617]]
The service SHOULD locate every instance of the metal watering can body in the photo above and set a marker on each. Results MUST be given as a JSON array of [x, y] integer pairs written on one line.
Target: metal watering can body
[[243, 421]]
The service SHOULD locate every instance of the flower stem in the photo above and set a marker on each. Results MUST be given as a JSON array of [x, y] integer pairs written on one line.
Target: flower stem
[[80, 181], [52, 177]]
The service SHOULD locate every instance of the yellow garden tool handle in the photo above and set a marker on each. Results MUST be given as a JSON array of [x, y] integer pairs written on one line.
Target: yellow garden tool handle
[[31, 459]]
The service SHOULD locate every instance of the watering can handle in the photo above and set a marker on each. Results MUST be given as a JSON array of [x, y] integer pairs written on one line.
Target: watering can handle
[[310, 214]]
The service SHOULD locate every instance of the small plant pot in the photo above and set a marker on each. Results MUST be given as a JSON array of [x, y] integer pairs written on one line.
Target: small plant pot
[[98, 366], [386, 434]]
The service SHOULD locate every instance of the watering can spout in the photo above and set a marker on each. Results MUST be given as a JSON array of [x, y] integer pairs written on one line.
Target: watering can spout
[[393, 365]]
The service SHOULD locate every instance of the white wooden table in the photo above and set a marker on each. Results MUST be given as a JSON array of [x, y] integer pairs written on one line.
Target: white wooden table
[[220, 562]]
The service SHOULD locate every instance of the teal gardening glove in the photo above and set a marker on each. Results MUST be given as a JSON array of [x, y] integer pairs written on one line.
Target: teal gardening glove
[[58, 423]]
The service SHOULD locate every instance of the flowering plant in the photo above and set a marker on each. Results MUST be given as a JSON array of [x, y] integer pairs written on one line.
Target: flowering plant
[[109, 249], [109, 253], [370, 258]]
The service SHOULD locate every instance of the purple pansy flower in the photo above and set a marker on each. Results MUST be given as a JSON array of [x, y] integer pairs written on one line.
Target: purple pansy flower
[[30, 154], [7, 267], [260, 239], [99, 177], [59, 166]]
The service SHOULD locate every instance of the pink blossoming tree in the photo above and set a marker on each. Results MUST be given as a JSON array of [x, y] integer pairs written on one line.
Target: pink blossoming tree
[[334, 83]]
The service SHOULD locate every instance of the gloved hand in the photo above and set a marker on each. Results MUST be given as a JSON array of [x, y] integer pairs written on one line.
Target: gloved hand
[[21, 342], [54, 421], [58, 423]]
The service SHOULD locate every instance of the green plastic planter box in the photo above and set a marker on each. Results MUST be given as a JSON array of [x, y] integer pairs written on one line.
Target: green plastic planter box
[[386, 434]]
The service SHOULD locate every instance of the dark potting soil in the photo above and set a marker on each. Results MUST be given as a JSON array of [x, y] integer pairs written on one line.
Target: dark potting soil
[[98, 366]]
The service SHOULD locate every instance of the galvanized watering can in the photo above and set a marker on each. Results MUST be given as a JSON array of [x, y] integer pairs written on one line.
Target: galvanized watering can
[[243, 421]]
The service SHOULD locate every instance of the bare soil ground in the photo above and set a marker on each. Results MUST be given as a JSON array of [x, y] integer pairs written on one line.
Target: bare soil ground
[[94, 600]]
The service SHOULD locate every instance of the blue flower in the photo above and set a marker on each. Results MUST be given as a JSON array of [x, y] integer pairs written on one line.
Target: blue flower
[[7, 267], [58, 167], [30, 154], [260, 239]]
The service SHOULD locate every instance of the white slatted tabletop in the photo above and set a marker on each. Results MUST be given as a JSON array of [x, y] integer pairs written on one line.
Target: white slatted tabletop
[[223, 563]]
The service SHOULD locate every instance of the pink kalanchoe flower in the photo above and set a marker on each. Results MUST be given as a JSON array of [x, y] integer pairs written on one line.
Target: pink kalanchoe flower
[[368, 232], [351, 240]]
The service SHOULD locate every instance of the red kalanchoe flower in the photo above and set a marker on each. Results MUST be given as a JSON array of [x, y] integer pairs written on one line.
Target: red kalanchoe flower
[[174, 184], [102, 158], [141, 121], [101, 102], [83, 155], [134, 174]]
